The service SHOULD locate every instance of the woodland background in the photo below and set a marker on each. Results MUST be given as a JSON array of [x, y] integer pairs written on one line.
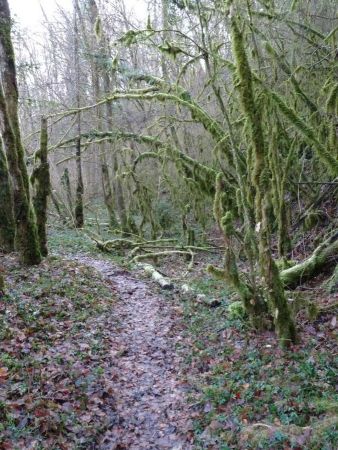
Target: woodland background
[[206, 132]]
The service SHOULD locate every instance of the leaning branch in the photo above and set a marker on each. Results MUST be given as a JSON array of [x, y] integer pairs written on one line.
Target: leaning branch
[[324, 255]]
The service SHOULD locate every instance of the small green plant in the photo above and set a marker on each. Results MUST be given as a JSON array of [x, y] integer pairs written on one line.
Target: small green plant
[[236, 310]]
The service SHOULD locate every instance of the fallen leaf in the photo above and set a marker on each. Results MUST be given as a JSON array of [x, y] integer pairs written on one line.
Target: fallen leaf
[[333, 322], [3, 373]]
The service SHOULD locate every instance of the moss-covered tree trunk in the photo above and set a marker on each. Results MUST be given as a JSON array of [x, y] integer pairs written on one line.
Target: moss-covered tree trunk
[[7, 222], [41, 182], [26, 236], [10, 87], [260, 181], [251, 297], [324, 255], [119, 195]]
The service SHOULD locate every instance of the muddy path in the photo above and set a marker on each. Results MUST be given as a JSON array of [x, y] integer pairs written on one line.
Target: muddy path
[[151, 409]]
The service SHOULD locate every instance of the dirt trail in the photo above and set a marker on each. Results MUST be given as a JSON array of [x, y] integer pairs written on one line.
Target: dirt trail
[[151, 412]]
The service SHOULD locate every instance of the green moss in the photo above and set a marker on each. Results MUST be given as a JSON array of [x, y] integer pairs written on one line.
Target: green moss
[[260, 180], [324, 154], [227, 224], [312, 219], [218, 204], [7, 223], [26, 231], [332, 100], [332, 284], [236, 310]]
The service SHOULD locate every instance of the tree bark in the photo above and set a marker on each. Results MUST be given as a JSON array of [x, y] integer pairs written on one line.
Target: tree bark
[[7, 223], [41, 182], [259, 180], [79, 215], [105, 175], [120, 201], [26, 237]]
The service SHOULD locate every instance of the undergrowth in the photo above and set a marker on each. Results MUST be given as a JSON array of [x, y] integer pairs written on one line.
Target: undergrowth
[[249, 394]]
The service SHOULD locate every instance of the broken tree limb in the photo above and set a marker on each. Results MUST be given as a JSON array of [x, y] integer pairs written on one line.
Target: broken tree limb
[[167, 246], [160, 279], [158, 254], [166, 283], [323, 255]]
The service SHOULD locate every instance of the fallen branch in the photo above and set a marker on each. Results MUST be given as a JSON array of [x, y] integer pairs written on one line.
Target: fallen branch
[[323, 256], [159, 254], [163, 281]]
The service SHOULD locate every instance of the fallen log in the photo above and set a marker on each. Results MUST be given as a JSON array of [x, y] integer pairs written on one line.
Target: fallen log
[[166, 283], [159, 254], [323, 256], [163, 281]]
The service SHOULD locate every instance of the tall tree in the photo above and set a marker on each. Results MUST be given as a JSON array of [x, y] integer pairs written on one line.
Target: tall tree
[[79, 215], [27, 241], [40, 180], [96, 46]]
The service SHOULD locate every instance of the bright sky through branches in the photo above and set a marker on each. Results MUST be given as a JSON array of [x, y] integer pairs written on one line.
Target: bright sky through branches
[[28, 12]]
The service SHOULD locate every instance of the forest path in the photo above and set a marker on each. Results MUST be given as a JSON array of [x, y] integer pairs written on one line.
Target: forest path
[[150, 401]]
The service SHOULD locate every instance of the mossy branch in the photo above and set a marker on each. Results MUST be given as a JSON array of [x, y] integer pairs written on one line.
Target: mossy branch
[[290, 114], [324, 254]]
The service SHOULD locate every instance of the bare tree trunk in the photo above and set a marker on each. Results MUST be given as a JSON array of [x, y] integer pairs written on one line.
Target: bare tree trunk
[[121, 204], [41, 182], [105, 176], [65, 181], [79, 216], [58, 208]]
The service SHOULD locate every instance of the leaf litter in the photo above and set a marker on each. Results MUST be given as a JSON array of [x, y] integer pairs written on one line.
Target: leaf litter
[[89, 360]]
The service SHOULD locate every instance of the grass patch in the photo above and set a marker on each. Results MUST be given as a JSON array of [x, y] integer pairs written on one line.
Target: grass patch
[[67, 242]]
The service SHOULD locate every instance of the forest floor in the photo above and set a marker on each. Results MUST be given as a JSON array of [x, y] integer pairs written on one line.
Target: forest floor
[[94, 356]]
